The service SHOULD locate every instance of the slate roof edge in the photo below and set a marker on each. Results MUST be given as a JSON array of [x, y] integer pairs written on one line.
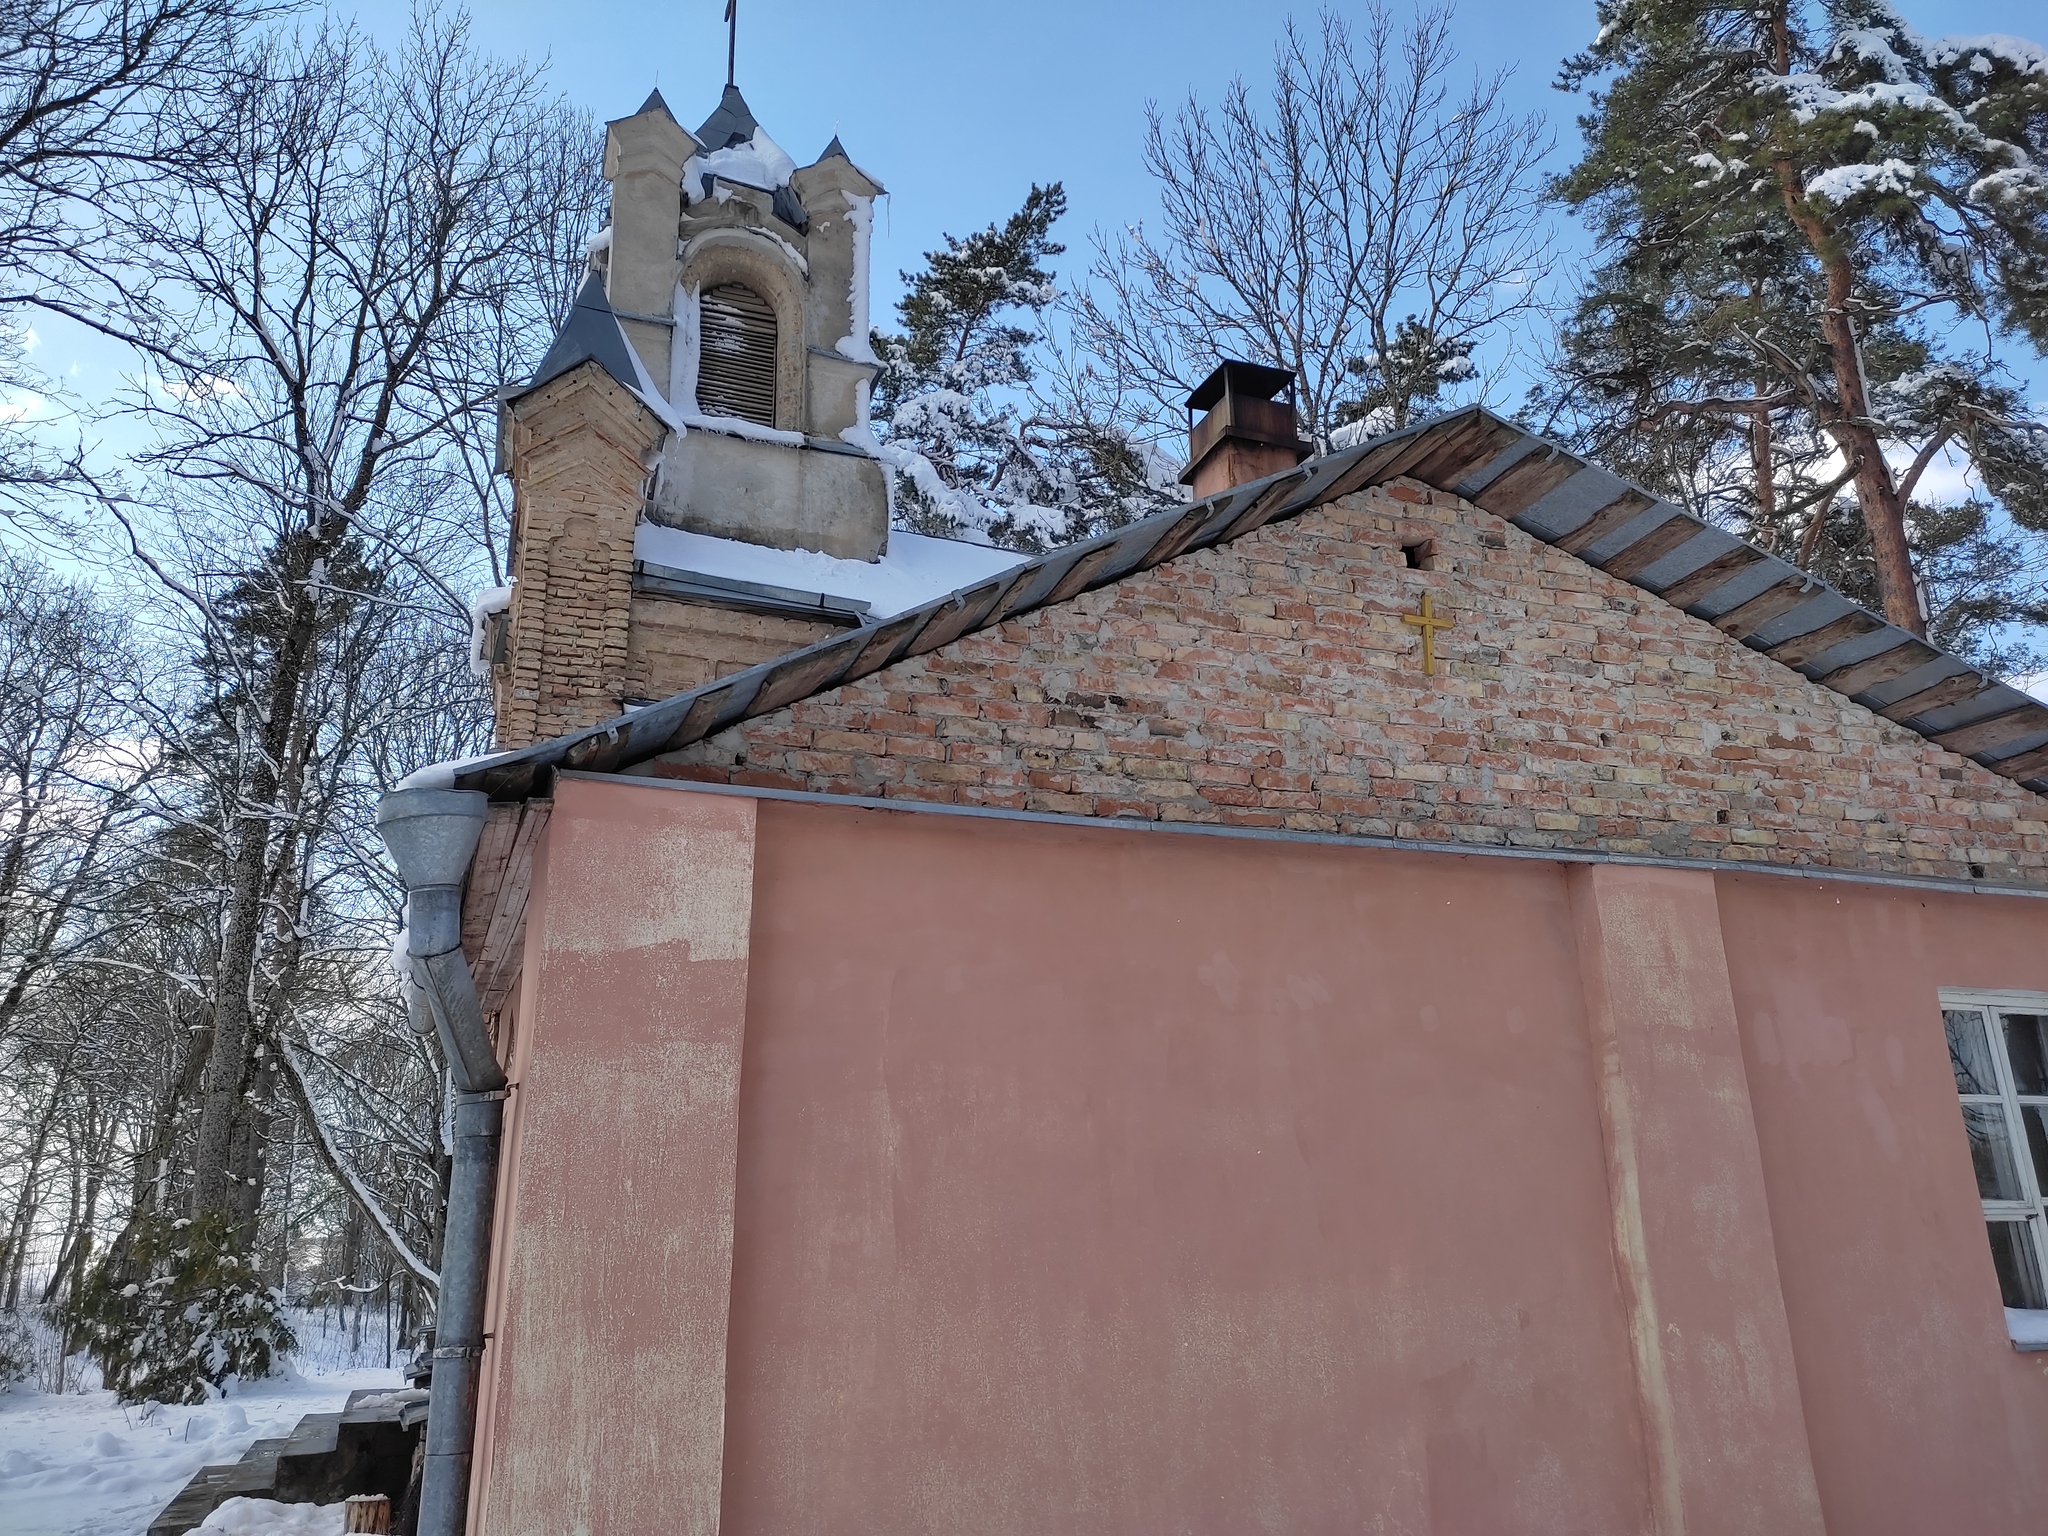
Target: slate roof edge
[[1540, 487]]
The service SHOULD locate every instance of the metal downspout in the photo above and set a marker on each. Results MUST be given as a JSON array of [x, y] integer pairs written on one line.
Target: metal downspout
[[432, 834]]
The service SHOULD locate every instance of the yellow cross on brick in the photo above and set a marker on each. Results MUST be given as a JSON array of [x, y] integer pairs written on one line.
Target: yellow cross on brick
[[1429, 624]]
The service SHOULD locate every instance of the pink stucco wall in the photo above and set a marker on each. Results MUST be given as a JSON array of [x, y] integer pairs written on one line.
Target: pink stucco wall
[[614, 1240], [1121, 1184], [1920, 1415], [1056, 1178]]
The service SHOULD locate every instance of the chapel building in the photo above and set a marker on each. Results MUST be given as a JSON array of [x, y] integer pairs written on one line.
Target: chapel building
[[1424, 990]]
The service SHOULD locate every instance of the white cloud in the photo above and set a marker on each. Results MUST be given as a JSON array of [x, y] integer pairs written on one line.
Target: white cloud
[[2035, 683], [1948, 480], [19, 404]]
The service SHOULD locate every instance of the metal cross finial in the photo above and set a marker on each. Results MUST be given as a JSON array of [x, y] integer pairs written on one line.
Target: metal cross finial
[[732, 37], [1429, 624]]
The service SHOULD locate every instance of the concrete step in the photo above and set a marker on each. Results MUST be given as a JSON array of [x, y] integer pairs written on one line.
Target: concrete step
[[326, 1458]]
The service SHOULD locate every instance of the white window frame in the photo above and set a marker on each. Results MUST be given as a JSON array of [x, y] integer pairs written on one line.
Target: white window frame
[[2031, 1212]]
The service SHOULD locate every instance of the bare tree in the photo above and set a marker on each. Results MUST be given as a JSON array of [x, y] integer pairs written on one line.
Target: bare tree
[[84, 85], [67, 777], [1368, 227], [325, 297]]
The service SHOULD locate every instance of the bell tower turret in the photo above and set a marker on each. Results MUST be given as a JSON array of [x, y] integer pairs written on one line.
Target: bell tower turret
[[741, 280], [704, 405]]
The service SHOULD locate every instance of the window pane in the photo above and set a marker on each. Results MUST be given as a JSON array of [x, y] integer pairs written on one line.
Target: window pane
[[2019, 1273], [2035, 1118], [1969, 1051], [2028, 1050], [1998, 1177]]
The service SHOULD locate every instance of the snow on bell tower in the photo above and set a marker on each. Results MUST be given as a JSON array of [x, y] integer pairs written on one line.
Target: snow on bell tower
[[741, 280]]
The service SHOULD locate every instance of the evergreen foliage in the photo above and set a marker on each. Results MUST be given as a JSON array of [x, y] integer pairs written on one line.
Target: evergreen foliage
[[977, 452], [17, 1349], [1405, 381], [1801, 205], [178, 1312], [1984, 597]]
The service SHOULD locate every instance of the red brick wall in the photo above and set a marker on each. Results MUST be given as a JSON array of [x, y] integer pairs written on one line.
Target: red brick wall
[[1271, 683]]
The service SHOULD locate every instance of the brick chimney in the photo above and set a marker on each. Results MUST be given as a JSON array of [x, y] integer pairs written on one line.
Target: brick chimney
[[1247, 432]]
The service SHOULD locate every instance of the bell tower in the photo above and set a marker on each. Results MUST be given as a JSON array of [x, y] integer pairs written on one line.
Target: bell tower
[[697, 436], [741, 280]]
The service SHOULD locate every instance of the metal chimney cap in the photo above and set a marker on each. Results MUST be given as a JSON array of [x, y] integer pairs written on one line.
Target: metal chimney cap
[[1248, 381]]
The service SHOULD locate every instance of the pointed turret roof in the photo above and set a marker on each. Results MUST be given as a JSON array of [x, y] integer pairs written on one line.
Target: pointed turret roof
[[732, 123], [590, 334], [655, 102], [837, 151]]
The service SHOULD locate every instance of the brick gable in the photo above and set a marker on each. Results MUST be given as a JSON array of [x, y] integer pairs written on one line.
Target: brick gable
[[1270, 682]]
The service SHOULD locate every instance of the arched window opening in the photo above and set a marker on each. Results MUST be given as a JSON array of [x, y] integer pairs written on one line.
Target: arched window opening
[[736, 361]]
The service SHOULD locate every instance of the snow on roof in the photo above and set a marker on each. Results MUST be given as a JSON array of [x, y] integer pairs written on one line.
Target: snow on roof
[[915, 569], [755, 162]]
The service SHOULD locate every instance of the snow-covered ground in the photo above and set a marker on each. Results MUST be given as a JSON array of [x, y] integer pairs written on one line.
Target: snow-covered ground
[[79, 1464]]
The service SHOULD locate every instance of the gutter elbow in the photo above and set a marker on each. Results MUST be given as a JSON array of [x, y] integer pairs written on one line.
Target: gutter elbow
[[432, 835]]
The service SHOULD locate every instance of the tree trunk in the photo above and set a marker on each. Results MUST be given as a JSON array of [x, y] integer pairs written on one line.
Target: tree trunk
[[1764, 471], [267, 789], [1884, 512], [82, 1253], [77, 1160], [14, 1250]]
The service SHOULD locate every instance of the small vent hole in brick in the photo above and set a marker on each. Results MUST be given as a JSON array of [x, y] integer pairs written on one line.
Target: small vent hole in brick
[[1420, 557], [1976, 871], [1721, 817]]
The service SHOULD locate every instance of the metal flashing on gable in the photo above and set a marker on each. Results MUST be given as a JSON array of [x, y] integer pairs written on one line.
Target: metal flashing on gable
[[590, 334]]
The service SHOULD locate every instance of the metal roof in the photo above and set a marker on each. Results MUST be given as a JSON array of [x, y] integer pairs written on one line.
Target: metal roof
[[1748, 594], [732, 123], [590, 334], [1256, 381]]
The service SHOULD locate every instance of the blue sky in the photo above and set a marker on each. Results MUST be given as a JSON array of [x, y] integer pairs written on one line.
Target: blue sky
[[957, 108]]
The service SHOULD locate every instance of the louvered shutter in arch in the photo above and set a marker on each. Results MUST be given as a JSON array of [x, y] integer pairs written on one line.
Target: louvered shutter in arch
[[736, 354]]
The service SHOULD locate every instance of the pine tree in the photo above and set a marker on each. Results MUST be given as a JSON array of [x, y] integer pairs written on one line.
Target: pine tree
[[977, 452], [1406, 380], [1795, 201]]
